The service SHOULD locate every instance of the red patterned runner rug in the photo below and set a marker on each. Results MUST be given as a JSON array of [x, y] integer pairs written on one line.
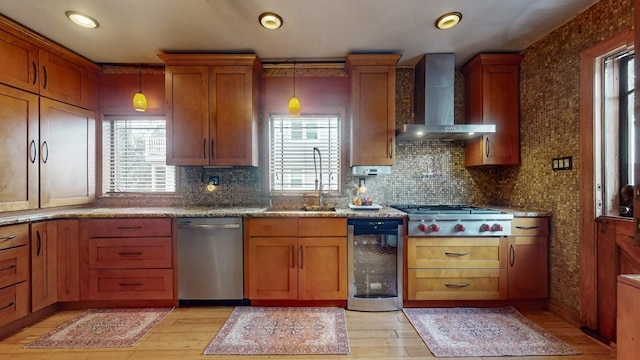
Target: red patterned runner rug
[[456, 332], [282, 331], [98, 328]]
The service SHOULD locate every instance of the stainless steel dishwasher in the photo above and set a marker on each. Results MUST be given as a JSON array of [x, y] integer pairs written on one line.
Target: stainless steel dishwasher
[[210, 270]]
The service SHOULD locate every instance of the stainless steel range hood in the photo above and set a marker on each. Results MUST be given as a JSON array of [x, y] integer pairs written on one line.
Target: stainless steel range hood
[[434, 106]]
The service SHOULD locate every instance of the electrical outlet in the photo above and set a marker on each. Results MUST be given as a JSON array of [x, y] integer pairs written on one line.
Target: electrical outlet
[[214, 180]]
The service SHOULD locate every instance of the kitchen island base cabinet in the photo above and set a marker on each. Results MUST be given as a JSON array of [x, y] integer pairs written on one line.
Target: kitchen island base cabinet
[[296, 259]]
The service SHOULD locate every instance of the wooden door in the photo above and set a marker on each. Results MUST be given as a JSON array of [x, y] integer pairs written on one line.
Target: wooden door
[[273, 268], [44, 287], [67, 154], [187, 96], [18, 63], [322, 267], [373, 115], [19, 149], [68, 260], [233, 127], [528, 267]]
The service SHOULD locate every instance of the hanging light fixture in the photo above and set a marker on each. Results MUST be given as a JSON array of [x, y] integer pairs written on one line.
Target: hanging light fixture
[[139, 100], [294, 103]]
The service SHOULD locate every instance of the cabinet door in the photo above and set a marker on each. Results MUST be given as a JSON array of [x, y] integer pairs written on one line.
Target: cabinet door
[[67, 154], [273, 268], [68, 260], [233, 105], [44, 265], [63, 80], [322, 266], [19, 149], [373, 115], [187, 96], [528, 267], [18, 63]]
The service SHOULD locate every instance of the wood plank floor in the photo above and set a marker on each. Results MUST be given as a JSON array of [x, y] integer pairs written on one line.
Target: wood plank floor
[[185, 333]]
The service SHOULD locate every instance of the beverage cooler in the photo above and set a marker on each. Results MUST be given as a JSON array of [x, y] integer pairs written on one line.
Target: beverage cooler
[[375, 264]]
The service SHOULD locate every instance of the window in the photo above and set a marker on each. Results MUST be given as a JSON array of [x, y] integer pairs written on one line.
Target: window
[[294, 165], [134, 156], [616, 147]]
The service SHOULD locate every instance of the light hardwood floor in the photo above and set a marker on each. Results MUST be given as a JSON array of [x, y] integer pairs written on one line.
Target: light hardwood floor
[[185, 333]]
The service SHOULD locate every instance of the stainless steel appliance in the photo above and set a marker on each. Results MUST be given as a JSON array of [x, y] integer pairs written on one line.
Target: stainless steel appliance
[[375, 264], [455, 220], [210, 267]]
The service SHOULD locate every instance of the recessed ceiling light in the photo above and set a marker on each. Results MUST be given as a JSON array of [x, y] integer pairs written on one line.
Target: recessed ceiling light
[[271, 21], [448, 20], [82, 20]]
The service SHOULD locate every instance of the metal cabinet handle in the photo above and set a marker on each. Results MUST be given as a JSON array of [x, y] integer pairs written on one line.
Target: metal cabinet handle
[[301, 250], [293, 257], [204, 148], [208, 226], [512, 255], [8, 268], [457, 285], [390, 152], [137, 253], [486, 148], [456, 253], [45, 152], [7, 238], [527, 227], [7, 306], [35, 72], [130, 284], [33, 151], [38, 243], [129, 228], [212, 144], [46, 78]]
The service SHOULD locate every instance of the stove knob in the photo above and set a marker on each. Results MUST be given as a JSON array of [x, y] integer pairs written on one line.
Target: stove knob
[[497, 227], [460, 228], [422, 227], [434, 227], [485, 227]]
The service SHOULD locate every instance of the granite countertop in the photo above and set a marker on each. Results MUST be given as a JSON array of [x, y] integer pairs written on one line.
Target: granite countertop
[[199, 211], [521, 212]]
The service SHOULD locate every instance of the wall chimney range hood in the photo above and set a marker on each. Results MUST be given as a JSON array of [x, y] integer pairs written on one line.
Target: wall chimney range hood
[[434, 104]]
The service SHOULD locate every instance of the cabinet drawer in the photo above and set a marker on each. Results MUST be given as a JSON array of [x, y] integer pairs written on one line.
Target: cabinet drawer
[[141, 284], [530, 226], [134, 227], [117, 253], [272, 227], [14, 265], [14, 302], [451, 284], [469, 253], [14, 235], [322, 227]]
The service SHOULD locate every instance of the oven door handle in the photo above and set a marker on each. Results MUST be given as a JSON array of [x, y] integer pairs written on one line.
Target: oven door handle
[[456, 253]]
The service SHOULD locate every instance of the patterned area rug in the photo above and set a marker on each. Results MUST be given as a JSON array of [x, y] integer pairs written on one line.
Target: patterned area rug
[[102, 328], [452, 332], [282, 331]]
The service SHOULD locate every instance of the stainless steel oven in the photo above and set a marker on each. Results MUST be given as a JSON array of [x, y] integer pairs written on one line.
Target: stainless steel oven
[[375, 264]]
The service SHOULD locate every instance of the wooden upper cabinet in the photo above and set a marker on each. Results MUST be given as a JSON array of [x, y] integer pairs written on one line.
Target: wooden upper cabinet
[[67, 154], [373, 97], [18, 63], [19, 148], [32, 63], [212, 109], [492, 97]]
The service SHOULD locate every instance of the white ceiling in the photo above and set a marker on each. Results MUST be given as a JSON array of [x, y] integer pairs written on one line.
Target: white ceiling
[[135, 31]]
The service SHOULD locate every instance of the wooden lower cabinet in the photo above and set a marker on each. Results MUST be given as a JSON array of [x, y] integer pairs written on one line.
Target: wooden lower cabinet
[[471, 268], [68, 260], [127, 259], [305, 266], [627, 312], [14, 272], [528, 258], [44, 264]]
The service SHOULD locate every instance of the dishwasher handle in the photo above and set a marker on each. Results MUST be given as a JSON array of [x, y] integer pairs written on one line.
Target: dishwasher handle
[[209, 226]]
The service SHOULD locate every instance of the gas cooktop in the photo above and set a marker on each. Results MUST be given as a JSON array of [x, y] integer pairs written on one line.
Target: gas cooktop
[[444, 209]]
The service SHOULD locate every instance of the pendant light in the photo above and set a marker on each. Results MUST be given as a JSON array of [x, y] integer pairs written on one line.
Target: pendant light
[[139, 100], [294, 103]]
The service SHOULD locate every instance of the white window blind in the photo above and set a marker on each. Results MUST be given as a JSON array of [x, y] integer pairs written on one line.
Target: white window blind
[[134, 156], [291, 154]]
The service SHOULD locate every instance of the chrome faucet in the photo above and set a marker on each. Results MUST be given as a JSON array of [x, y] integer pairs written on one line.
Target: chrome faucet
[[318, 178]]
